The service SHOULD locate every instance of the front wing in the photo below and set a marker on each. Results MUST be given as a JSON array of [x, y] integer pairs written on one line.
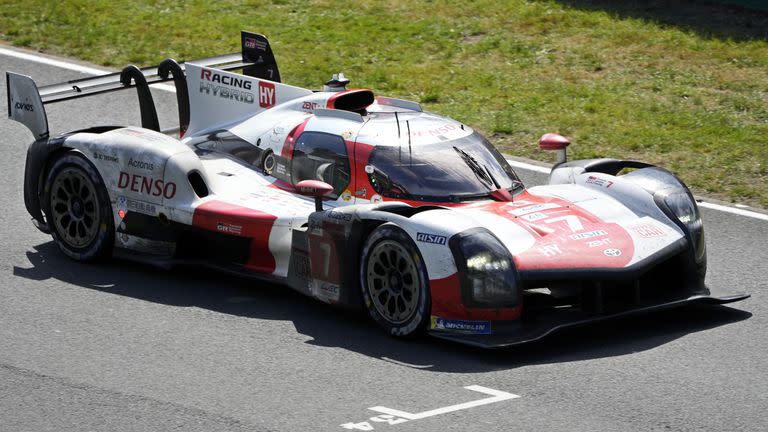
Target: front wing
[[518, 333]]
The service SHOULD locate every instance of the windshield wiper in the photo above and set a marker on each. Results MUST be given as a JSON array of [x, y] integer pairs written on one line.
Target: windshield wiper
[[482, 174]]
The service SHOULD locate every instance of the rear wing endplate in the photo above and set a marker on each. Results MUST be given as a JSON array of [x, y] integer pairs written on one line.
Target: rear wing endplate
[[26, 101]]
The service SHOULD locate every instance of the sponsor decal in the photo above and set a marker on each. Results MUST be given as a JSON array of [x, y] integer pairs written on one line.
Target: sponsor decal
[[108, 158], [146, 185], [309, 106], [550, 250], [136, 205], [347, 135], [436, 131], [598, 243], [346, 196], [229, 228], [612, 252], [463, 326], [533, 217], [597, 181], [255, 43], [377, 198], [266, 94], [280, 168], [590, 234], [339, 216], [232, 81], [315, 227], [534, 208], [223, 90], [135, 163], [648, 230], [329, 290], [24, 106], [431, 238]]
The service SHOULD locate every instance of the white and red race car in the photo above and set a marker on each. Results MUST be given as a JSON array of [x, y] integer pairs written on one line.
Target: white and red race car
[[359, 200]]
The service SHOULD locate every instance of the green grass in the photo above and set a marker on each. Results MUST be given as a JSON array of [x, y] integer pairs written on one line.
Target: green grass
[[677, 95]]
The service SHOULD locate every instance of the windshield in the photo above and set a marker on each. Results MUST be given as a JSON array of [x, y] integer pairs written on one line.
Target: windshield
[[455, 170]]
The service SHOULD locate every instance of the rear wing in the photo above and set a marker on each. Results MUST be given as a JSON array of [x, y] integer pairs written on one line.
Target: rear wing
[[26, 102]]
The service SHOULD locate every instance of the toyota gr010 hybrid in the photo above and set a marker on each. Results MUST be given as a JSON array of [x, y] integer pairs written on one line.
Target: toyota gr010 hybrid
[[359, 201]]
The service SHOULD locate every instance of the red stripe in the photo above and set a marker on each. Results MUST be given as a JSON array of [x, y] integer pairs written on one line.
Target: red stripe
[[446, 303], [331, 104], [290, 140], [254, 224]]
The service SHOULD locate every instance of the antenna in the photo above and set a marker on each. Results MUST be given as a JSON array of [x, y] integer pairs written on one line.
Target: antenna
[[410, 153], [399, 147]]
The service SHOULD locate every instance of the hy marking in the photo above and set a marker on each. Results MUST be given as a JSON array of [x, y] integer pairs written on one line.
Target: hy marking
[[393, 416], [517, 164]]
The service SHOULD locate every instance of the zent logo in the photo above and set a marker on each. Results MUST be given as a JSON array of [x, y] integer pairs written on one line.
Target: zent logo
[[266, 94]]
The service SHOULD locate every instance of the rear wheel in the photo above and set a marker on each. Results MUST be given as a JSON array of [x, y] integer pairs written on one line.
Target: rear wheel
[[77, 208], [394, 281]]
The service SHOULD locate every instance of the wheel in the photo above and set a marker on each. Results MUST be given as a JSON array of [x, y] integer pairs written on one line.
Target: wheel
[[394, 281], [77, 208]]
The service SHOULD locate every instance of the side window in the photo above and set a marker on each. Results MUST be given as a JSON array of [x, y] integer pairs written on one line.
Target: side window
[[321, 156]]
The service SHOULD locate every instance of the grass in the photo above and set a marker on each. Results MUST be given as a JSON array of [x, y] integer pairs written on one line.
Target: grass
[[622, 85]]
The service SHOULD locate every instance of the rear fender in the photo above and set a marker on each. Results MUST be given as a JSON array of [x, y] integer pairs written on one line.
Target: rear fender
[[144, 171]]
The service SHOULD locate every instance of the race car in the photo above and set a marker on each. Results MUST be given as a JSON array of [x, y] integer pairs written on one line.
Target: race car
[[360, 201]]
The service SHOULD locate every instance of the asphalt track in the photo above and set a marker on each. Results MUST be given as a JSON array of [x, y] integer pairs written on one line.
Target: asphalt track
[[123, 347]]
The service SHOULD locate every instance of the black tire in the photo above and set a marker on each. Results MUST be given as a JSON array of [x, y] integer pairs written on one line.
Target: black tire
[[394, 282], [77, 208]]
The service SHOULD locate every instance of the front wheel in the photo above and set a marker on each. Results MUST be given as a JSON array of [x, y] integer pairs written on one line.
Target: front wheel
[[77, 208], [394, 281]]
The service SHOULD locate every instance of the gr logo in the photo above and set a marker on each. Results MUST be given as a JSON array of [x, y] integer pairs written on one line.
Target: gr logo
[[430, 238], [266, 94]]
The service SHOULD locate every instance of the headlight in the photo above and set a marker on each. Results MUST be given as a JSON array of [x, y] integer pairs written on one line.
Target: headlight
[[486, 270], [683, 207], [676, 201], [680, 204]]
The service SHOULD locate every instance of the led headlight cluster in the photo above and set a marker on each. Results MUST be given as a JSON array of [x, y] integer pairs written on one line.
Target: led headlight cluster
[[486, 269], [682, 205], [674, 199]]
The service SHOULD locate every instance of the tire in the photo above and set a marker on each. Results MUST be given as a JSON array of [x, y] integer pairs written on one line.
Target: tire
[[77, 208], [394, 282]]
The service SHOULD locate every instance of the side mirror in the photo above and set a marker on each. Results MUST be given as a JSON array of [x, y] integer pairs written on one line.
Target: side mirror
[[557, 143], [314, 188]]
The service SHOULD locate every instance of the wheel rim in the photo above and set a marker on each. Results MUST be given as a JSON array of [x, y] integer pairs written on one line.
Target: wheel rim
[[74, 207], [393, 282]]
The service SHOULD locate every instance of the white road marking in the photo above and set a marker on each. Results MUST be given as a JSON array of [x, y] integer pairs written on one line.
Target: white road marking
[[392, 416], [529, 167], [410, 365], [51, 62], [496, 396], [517, 164], [733, 210], [69, 66]]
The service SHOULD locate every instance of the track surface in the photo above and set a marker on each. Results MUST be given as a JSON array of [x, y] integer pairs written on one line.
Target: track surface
[[122, 346]]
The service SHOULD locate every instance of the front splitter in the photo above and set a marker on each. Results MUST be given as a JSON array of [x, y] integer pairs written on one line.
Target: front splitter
[[513, 334]]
